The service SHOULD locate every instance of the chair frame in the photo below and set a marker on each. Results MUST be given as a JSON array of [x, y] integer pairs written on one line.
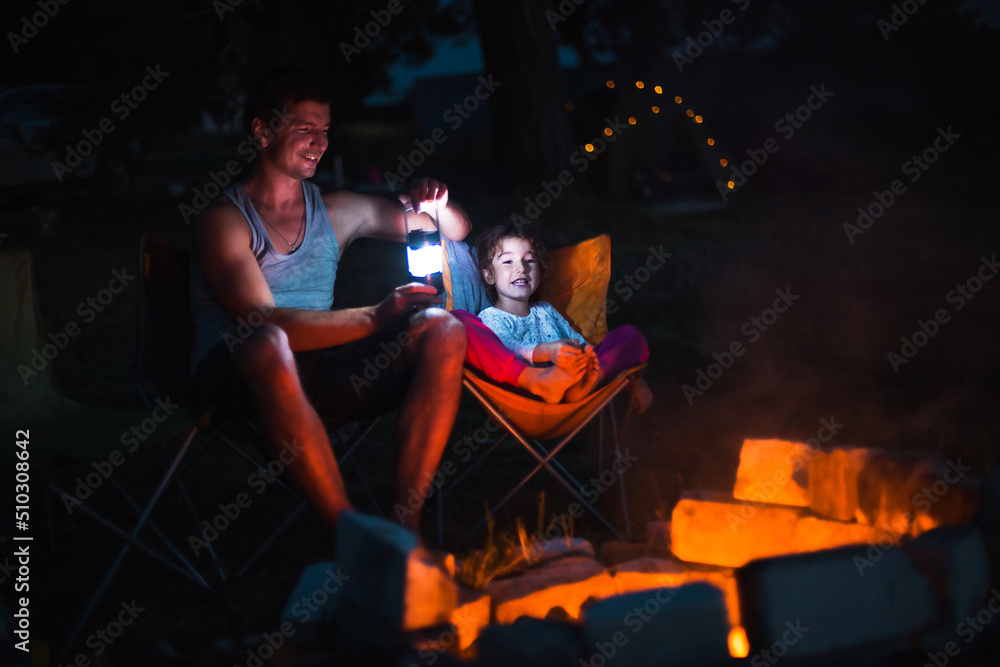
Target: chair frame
[[186, 454], [545, 457]]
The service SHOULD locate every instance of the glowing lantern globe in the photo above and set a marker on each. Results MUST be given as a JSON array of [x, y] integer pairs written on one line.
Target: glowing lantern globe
[[424, 255]]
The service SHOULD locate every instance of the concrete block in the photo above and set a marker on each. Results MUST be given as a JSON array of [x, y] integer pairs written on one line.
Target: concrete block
[[530, 643], [712, 528], [833, 480], [808, 604], [391, 574], [566, 583], [313, 602], [920, 489], [544, 550], [684, 625], [954, 559], [645, 573], [774, 471], [471, 616]]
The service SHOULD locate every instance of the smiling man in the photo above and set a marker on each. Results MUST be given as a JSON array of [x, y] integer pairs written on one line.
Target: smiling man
[[262, 294]]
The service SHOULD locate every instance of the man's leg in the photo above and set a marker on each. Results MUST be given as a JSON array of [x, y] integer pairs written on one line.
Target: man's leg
[[288, 419], [430, 406]]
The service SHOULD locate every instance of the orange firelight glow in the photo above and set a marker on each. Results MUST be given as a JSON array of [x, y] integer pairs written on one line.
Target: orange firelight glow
[[739, 647]]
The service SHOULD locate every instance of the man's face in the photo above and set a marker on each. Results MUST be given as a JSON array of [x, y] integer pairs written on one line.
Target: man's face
[[298, 144]]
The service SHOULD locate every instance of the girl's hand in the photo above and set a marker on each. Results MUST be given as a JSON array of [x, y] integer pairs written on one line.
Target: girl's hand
[[566, 354]]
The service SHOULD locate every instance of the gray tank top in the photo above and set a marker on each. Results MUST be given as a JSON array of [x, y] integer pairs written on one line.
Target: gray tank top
[[303, 279]]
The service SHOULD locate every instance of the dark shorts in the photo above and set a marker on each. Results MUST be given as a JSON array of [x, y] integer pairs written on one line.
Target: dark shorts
[[359, 380]]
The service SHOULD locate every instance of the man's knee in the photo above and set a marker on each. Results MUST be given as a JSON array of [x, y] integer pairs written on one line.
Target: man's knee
[[444, 332], [265, 352]]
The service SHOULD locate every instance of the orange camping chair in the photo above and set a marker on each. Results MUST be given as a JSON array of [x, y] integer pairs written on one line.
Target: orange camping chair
[[576, 286]]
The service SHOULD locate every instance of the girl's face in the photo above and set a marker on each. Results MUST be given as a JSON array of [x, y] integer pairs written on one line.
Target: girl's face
[[515, 271]]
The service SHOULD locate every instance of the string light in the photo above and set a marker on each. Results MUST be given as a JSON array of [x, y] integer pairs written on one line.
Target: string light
[[678, 99], [589, 148], [690, 113], [697, 119], [711, 141], [631, 120], [731, 185], [656, 109], [659, 91], [607, 131], [723, 162], [610, 84], [639, 85]]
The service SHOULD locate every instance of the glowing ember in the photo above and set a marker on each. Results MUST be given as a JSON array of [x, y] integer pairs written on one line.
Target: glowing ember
[[739, 646]]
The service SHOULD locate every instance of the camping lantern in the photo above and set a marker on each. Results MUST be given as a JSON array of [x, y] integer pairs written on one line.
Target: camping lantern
[[424, 254]]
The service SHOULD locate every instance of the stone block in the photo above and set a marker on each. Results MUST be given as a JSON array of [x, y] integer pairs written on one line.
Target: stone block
[[809, 604], [954, 559], [683, 625], [530, 643], [712, 528], [645, 573], [833, 480], [918, 489], [313, 602], [567, 583], [391, 574], [471, 616], [774, 471]]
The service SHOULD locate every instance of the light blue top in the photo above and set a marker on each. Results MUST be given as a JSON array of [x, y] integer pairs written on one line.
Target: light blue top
[[303, 279], [542, 324]]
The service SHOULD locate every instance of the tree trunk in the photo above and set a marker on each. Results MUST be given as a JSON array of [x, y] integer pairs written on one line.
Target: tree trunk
[[531, 136]]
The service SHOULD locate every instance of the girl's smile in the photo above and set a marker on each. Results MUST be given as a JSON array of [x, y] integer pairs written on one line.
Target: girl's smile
[[515, 274]]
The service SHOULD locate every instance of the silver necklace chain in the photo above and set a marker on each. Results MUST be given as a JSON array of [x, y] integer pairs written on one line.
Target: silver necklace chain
[[297, 234]]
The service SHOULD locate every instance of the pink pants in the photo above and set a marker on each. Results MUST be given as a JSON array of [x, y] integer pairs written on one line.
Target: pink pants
[[621, 348]]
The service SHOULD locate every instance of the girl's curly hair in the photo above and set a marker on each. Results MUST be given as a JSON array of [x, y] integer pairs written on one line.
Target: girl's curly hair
[[490, 243]]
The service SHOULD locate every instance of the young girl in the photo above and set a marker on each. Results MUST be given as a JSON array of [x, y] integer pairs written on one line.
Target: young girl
[[512, 263]]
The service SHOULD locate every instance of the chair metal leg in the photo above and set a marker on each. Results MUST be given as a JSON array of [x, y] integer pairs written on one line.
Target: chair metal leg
[[445, 490], [270, 540], [547, 461], [123, 552]]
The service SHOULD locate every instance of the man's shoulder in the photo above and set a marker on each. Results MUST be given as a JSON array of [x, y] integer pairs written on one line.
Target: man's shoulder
[[222, 216]]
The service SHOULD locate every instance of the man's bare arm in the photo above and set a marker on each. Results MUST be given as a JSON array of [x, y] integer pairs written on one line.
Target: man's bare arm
[[355, 216], [223, 247]]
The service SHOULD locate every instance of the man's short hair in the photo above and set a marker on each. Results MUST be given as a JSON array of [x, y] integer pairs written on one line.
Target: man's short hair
[[280, 87]]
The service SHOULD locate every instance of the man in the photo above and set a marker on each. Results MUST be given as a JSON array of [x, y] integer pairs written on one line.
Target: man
[[266, 254]]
